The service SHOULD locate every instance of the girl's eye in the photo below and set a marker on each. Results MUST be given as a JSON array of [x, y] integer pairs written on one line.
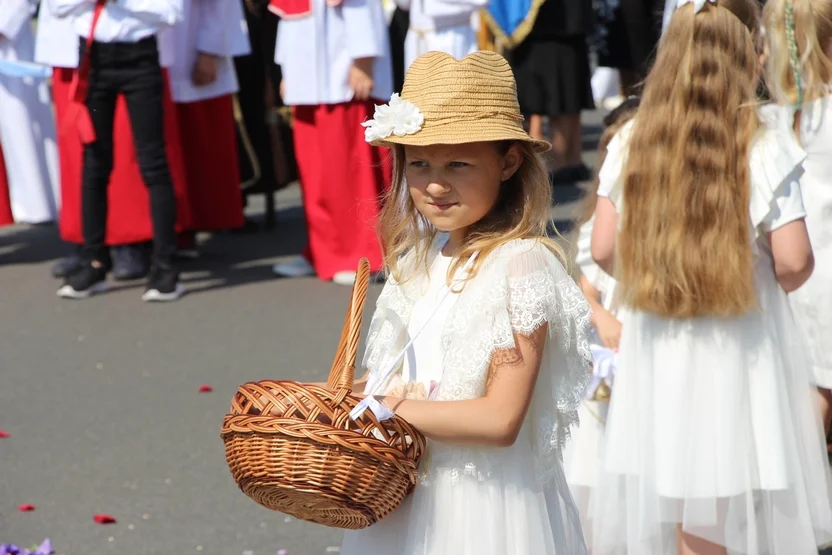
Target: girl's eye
[[458, 164], [418, 164]]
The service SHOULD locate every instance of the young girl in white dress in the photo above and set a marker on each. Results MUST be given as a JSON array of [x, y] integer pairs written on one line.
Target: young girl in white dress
[[714, 443], [800, 78], [500, 359], [583, 454]]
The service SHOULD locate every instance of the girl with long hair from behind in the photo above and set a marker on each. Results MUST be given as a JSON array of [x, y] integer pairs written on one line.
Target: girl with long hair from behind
[[799, 58], [583, 455], [713, 442]]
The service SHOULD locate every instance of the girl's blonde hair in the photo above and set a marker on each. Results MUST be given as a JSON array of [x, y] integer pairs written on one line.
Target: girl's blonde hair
[[522, 211], [613, 122], [684, 246], [812, 27]]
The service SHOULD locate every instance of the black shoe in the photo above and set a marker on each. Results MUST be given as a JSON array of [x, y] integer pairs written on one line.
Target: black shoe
[[163, 285], [67, 265], [84, 282], [129, 262]]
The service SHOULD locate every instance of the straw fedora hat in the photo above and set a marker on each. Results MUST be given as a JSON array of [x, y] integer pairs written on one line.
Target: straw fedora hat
[[450, 101]]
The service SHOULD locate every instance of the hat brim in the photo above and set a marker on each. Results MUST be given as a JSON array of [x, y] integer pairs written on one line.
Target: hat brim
[[464, 132]]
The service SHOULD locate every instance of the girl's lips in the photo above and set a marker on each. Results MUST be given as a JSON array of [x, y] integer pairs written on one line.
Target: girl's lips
[[444, 206]]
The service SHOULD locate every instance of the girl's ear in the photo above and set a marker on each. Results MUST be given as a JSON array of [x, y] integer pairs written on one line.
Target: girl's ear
[[511, 162]]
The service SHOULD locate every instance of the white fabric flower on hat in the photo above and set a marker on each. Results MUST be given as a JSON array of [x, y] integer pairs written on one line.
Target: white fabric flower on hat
[[400, 117]]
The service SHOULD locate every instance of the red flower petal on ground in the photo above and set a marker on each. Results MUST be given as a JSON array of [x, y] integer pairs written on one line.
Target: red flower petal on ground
[[26, 508], [104, 519], [4, 434], [205, 388]]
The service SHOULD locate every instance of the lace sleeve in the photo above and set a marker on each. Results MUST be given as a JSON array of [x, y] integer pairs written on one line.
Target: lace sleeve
[[540, 290]]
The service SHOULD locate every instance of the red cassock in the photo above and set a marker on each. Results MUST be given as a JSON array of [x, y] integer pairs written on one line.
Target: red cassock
[[128, 203], [342, 177], [6, 217], [209, 147]]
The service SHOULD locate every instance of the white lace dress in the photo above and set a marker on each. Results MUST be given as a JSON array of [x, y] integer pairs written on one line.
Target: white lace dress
[[486, 501], [583, 454], [812, 303], [713, 423]]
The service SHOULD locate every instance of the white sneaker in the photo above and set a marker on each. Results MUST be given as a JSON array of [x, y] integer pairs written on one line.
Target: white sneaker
[[295, 267], [344, 278]]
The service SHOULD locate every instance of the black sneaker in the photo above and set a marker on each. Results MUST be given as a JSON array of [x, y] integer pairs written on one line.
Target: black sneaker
[[163, 285], [129, 262], [68, 264], [84, 282]]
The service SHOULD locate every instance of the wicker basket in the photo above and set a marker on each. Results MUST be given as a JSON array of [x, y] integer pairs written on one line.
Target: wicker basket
[[293, 448]]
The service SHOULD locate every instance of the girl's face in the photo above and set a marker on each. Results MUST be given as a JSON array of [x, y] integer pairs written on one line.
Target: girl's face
[[455, 186]]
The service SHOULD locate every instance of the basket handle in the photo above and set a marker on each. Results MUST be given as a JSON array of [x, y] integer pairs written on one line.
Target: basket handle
[[342, 373]]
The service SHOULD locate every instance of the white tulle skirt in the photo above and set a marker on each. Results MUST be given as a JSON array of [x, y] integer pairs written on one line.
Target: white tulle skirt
[[453, 513], [582, 460], [713, 427]]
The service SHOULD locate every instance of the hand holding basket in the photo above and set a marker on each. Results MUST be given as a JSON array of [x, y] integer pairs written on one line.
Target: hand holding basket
[[293, 447]]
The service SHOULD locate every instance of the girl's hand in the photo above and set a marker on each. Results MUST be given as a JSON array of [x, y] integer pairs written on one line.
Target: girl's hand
[[609, 328]]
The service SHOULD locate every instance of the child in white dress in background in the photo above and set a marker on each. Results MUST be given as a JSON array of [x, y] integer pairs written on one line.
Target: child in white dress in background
[[440, 25], [800, 78], [714, 443], [583, 454], [498, 327]]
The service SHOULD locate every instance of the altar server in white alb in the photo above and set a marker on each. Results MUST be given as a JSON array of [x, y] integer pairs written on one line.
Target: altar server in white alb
[[118, 39], [203, 81], [440, 25], [335, 60], [129, 222], [27, 127]]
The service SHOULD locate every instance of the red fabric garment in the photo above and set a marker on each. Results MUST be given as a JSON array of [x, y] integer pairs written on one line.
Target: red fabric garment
[[6, 217], [209, 145], [341, 179], [76, 114], [295, 9], [128, 208]]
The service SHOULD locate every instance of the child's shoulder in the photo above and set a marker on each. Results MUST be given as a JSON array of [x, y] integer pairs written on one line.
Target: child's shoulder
[[526, 256], [775, 153]]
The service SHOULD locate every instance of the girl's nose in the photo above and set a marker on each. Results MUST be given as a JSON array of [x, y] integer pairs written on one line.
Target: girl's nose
[[437, 187]]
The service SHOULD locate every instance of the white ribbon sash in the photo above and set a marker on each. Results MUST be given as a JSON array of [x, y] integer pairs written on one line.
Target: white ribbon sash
[[604, 367], [378, 379]]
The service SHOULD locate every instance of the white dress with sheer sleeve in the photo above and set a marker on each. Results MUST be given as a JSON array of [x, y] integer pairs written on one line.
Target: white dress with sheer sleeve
[[812, 303], [476, 500]]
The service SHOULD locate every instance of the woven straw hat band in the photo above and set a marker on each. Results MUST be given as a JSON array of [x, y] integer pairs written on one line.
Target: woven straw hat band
[[463, 101]]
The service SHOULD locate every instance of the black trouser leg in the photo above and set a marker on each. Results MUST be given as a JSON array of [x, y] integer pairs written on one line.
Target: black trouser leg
[[143, 89], [98, 155]]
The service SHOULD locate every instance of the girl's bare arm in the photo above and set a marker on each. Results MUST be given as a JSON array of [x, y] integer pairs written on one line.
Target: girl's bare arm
[[604, 231], [493, 420]]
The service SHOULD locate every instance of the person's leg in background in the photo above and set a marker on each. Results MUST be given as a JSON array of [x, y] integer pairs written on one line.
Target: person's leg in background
[[143, 89], [90, 277]]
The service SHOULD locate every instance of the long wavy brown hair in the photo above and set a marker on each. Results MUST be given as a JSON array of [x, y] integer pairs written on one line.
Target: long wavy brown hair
[[613, 122], [684, 246], [522, 211], [812, 32]]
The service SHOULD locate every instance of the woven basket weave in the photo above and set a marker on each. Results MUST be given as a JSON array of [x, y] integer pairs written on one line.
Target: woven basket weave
[[293, 448]]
